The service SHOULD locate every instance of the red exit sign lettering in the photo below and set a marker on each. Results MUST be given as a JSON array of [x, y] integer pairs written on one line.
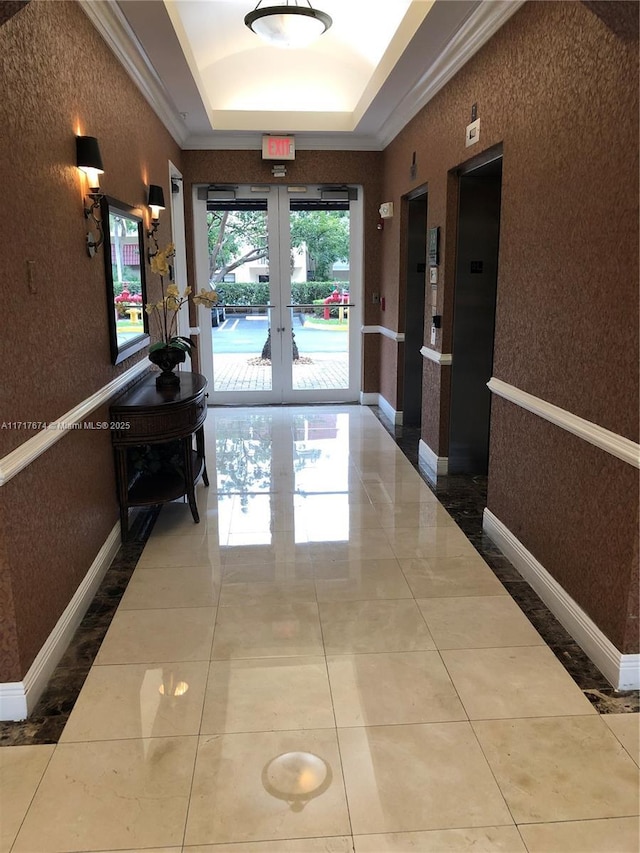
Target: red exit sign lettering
[[278, 148]]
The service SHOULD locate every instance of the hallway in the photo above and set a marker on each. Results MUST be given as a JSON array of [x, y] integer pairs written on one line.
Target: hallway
[[325, 663]]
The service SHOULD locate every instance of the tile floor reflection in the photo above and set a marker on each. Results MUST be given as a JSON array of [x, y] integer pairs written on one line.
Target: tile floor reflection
[[327, 663]]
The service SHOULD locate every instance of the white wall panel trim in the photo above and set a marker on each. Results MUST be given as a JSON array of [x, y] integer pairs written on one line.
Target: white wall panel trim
[[18, 698], [623, 671], [617, 445], [444, 358], [26, 453], [382, 330]]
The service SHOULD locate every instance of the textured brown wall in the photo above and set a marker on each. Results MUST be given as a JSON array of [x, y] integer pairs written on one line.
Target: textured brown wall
[[558, 89], [572, 505], [58, 78], [309, 167]]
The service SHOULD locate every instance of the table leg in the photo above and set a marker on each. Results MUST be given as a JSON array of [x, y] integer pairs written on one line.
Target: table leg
[[188, 476], [200, 452]]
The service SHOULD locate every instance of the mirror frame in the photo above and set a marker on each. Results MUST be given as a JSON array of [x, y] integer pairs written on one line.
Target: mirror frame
[[112, 207]]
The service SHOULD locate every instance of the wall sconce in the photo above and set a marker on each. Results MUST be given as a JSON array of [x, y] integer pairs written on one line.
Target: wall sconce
[[89, 161], [156, 203]]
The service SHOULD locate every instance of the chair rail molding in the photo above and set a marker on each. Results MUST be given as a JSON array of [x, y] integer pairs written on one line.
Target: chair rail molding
[[26, 453], [398, 337], [617, 445], [444, 358]]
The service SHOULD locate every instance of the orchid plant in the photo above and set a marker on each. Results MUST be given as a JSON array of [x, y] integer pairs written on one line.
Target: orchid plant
[[166, 310]]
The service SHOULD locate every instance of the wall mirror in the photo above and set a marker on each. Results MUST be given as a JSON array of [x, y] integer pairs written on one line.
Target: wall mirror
[[124, 261]]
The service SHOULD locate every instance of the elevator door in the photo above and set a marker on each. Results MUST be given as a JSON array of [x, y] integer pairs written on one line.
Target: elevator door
[[273, 338], [474, 318]]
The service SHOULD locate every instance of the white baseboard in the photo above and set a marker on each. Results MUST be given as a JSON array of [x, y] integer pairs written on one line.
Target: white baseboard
[[434, 466], [622, 671], [18, 698], [378, 400]]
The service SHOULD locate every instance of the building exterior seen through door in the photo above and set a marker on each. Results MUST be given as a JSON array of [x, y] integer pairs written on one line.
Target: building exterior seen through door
[[287, 264]]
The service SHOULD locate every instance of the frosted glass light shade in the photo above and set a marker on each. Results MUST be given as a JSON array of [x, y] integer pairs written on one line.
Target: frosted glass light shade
[[288, 26]]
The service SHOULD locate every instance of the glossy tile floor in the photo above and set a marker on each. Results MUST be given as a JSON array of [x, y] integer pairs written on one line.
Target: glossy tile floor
[[325, 663]]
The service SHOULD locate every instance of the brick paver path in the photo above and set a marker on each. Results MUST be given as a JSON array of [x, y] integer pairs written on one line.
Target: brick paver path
[[235, 373]]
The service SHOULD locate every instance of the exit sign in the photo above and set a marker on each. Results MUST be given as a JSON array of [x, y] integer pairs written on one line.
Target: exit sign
[[278, 148]]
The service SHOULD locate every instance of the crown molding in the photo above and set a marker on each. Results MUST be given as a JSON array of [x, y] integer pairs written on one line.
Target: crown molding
[[476, 31], [479, 27], [114, 28]]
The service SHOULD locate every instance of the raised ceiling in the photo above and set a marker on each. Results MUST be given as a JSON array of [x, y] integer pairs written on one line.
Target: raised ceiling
[[216, 84]]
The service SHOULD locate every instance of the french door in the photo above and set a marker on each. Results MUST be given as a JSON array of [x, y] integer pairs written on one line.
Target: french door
[[287, 264]]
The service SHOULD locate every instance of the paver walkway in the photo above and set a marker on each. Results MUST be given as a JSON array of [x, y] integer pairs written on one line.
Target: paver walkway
[[234, 372]]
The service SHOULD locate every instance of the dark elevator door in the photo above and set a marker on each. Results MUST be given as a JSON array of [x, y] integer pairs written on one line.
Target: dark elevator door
[[474, 318]]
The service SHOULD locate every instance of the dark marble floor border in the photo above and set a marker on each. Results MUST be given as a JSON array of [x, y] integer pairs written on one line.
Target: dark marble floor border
[[465, 497]]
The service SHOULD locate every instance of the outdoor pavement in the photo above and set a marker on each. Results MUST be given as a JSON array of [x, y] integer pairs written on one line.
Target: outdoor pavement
[[234, 372]]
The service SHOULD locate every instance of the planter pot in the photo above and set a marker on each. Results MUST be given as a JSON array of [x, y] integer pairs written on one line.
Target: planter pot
[[167, 359]]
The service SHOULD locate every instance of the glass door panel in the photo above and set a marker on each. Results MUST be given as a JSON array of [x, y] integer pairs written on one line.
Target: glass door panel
[[285, 328]]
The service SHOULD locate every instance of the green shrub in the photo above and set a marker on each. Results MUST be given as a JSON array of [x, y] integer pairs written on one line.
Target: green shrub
[[252, 293]]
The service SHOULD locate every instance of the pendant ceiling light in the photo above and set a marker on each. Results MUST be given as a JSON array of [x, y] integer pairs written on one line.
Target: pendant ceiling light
[[289, 25]]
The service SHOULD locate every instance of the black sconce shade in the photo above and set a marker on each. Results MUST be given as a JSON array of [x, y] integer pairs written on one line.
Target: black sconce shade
[[88, 153], [156, 196]]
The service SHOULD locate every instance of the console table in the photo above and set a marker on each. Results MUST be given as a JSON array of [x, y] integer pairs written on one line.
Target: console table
[[147, 415]]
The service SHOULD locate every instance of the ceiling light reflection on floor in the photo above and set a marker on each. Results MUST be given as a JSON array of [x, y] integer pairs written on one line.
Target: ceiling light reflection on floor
[[297, 778]]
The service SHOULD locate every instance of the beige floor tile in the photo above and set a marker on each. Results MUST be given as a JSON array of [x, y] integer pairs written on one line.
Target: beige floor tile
[[560, 768], [355, 627], [405, 515], [615, 835], [626, 727], [337, 844], [179, 550], [526, 681], [267, 695], [21, 769], [175, 519], [262, 513], [240, 794], [440, 577], [146, 850], [272, 630], [183, 586], [111, 794], [409, 778], [158, 636], [488, 839], [266, 593], [139, 701], [246, 549], [417, 689], [360, 580], [270, 571], [403, 491], [356, 548], [429, 542], [329, 517], [478, 622]]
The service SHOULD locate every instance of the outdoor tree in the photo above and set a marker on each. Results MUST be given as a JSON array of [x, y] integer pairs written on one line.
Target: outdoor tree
[[325, 233], [235, 237]]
